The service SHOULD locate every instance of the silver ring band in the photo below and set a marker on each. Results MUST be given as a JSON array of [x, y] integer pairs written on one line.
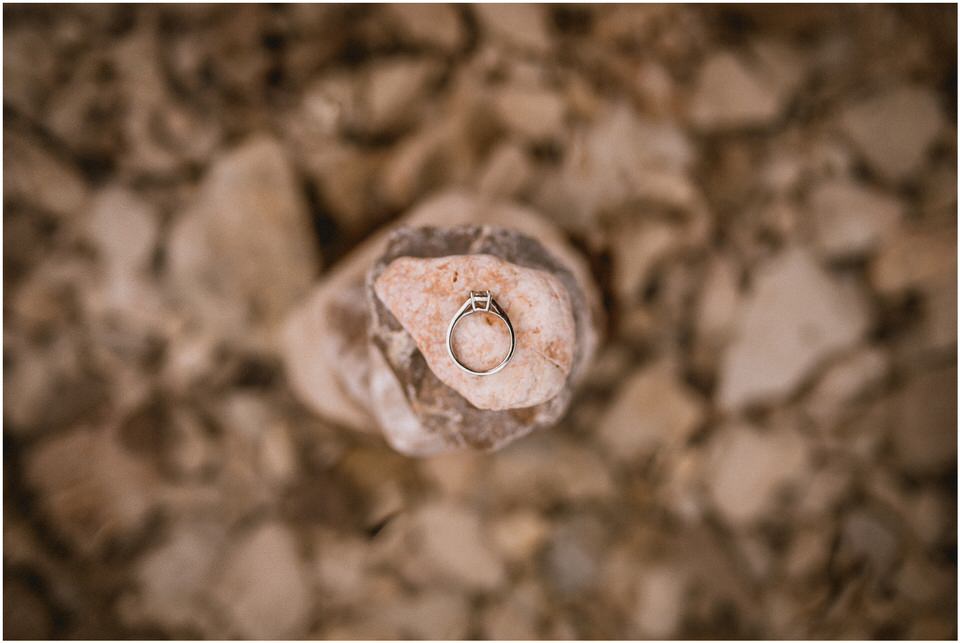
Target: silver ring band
[[480, 302]]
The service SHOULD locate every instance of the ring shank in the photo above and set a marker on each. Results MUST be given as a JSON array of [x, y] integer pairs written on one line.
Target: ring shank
[[465, 311]]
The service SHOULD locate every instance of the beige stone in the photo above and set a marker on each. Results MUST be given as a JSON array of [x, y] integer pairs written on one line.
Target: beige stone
[[246, 244], [30, 171], [173, 578], [518, 535], [520, 25], [795, 317], [659, 605], [651, 411], [636, 250], [454, 545], [893, 130], [436, 25], [546, 469], [719, 301], [845, 381], [424, 294], [432, 615], [506, 173], [262, 585], [90, 489], [392, 90], [913, 258], [728, 94], [325, 343], [515, 615], [621, 159], [534, 114], [850, 220], [749, 467]]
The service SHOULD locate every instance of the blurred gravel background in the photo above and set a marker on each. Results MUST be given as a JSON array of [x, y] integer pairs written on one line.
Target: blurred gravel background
[[766, 446]]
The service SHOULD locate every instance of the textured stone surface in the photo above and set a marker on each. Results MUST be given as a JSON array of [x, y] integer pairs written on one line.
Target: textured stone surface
[[823, 510], [424, 294], [326, 342], [795, 316], [532, 397]]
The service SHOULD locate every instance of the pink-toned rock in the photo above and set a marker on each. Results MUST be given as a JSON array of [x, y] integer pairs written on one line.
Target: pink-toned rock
[[424, 294], [417, 409], [336, 371]]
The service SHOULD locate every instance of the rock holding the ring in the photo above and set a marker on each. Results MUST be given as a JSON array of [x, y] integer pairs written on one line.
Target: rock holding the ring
[[424, 294], [416, 287], [349, 358]]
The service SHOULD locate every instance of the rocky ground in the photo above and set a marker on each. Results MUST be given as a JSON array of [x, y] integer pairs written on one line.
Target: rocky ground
[[766, 446]]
